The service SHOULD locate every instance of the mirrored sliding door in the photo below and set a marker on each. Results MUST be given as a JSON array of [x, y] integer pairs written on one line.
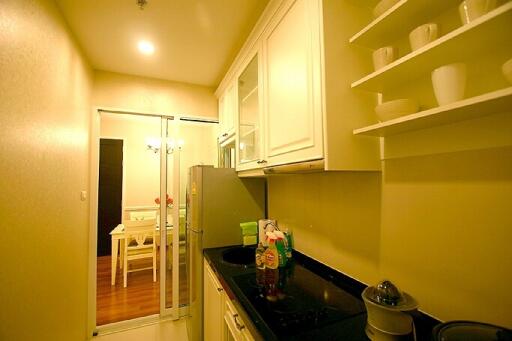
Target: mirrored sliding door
[[189, 142]]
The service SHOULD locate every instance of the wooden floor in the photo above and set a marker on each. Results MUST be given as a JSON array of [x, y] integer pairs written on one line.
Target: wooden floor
[[140, 298]]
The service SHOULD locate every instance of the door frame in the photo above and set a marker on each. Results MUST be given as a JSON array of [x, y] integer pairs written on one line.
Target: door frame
[[94, 143]]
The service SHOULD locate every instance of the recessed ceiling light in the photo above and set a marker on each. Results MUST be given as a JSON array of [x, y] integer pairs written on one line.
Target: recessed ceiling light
[[146, 47]]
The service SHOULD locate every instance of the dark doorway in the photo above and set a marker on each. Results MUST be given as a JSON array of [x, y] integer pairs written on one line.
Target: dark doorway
[[110, 191]]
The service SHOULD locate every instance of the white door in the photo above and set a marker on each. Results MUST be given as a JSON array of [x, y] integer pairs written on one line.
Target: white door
[[169, 220], [189, 142], [293, 82]]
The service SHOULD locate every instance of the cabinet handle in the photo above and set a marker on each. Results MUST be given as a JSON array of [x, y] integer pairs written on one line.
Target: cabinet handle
[[238, 325], [261, 161], [225, 134], [220, 289]]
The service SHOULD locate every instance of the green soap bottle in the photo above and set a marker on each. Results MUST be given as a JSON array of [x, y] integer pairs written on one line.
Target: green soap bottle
[[281, 250]]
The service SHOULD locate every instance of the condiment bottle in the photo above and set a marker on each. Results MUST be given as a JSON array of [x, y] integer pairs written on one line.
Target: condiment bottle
[[260, 256], [271, 253]]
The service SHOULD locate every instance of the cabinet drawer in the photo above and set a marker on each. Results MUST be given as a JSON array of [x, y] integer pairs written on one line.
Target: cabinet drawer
[[235, 325]]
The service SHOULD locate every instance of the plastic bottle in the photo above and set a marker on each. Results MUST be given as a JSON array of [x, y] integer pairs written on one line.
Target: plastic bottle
[[271, 280], [260, 257], [271, 254], [281, 248], [288, 243]]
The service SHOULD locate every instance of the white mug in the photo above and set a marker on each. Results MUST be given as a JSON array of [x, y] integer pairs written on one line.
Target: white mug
[[384, 56], [423, 35], [469, 10], [449, 82]]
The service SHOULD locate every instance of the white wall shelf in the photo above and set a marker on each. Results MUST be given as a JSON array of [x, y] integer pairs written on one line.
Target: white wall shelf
[[483, 105], [491, 29], [398, 21]]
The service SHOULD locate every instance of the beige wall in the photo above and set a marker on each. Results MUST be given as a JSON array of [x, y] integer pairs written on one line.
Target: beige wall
[[334, 217], [141, 167], [44, 114], [437, 221], [446, 232], [200, 148], [439, 226], [148, 95]]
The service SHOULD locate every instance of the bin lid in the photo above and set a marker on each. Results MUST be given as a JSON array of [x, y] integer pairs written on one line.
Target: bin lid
[[470, 331]]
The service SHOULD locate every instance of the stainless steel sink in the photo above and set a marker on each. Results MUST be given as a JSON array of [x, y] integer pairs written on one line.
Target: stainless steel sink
[[239, 256]]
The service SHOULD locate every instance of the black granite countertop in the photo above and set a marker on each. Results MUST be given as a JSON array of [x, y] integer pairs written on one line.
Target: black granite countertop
[[341, 287]]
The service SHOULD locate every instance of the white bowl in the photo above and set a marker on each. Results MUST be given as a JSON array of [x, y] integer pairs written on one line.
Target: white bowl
[[507, 70], [393, 109], [383, 6]]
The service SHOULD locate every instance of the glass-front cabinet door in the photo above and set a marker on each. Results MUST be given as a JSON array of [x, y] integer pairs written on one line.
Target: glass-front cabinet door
[[249, 119]]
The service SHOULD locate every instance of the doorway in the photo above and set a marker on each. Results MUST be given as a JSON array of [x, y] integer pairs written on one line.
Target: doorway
[[129, 190], [155, 151], [110, 191]]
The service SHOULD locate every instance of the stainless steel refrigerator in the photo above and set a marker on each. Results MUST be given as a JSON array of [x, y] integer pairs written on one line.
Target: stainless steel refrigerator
[[217, 202]]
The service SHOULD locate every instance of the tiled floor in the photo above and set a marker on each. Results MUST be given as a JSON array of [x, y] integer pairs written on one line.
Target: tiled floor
[[163, 331]]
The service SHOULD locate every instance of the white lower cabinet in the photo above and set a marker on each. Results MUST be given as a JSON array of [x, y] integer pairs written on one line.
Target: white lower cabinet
[[222, 321], [213, 306], [234, 326]]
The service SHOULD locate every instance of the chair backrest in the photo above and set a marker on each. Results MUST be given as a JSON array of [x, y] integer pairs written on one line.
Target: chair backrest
[[142, 215], [139, 230]]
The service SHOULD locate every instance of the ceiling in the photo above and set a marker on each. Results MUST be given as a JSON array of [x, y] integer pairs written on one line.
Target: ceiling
[[195, 40]]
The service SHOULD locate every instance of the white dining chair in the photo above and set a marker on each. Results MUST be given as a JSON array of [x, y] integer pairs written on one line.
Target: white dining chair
[[139, 243], [143, 215]]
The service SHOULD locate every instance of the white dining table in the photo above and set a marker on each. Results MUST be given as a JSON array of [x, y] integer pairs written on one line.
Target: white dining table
[[117, 238]]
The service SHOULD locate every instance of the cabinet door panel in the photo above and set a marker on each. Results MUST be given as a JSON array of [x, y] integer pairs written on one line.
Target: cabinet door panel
[[293, 112], [231, 110], [227, 112], [222, 120], [249, 113], [213, 306]]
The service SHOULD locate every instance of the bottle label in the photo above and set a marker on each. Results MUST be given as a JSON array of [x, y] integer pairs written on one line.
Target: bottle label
[[271, 259], [260, 260]]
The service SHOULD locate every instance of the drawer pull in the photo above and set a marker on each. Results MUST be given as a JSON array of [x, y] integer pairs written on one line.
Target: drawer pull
[[238, 325], [220, 289]]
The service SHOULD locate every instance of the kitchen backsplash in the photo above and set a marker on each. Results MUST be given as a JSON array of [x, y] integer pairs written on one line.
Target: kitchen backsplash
[[438, 226]]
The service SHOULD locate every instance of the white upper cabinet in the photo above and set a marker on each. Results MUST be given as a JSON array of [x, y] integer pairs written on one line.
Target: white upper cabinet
[[292, 85], [250, 121], [306, 107], [227, 112]]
